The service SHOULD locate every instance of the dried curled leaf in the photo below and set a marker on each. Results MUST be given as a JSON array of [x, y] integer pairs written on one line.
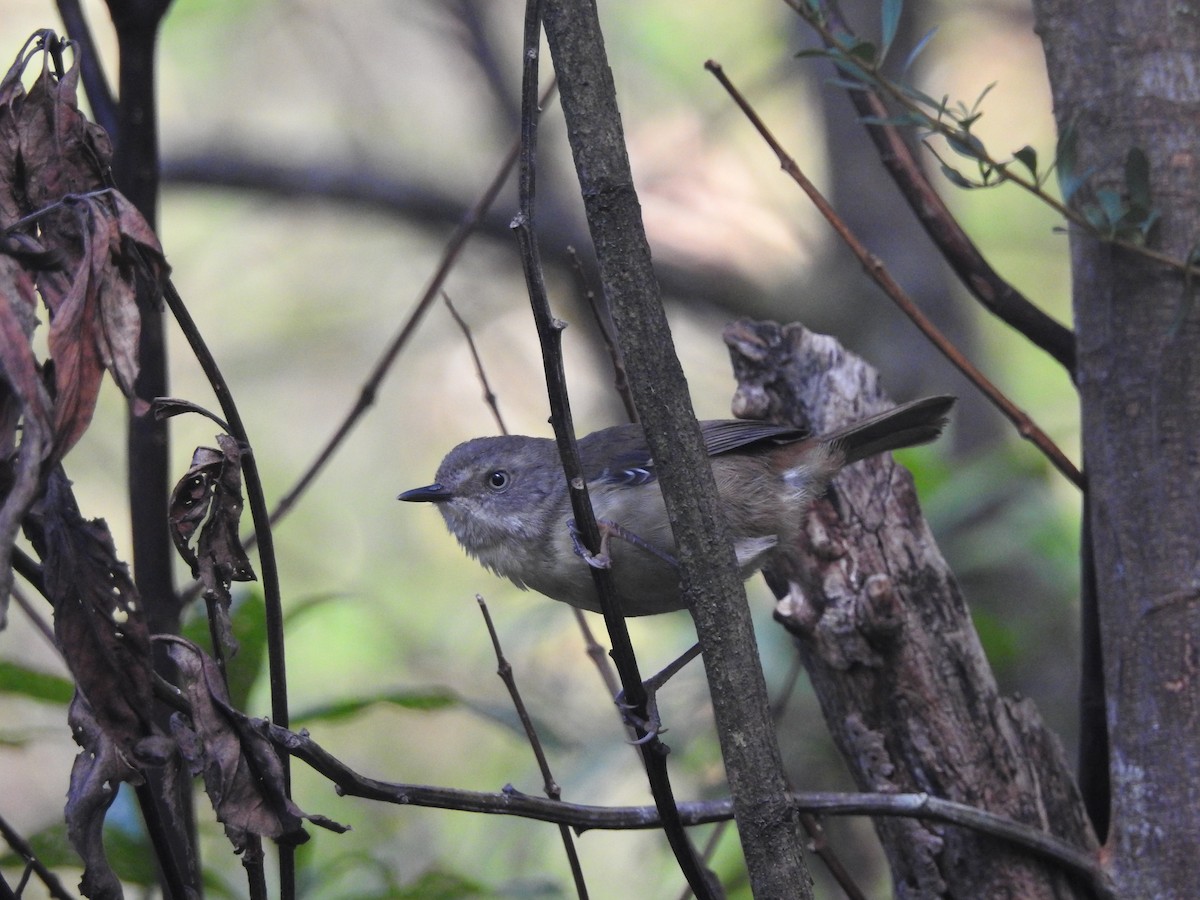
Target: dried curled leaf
[[95, 775], [25, 413], [53, 168], [95, 323], [206, 508], [241, 770], [98, 620], [100, 630], [208, 499]]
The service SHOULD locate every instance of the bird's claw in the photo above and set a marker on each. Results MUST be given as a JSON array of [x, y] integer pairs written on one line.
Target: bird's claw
[[651, 725], [600, 560]]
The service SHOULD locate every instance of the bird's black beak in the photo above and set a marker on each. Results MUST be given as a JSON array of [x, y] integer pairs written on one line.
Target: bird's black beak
[[431, 493]]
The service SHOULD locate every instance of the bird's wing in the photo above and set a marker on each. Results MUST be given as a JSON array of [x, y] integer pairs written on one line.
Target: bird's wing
[[724, 435], [619, 455], [616, 455]]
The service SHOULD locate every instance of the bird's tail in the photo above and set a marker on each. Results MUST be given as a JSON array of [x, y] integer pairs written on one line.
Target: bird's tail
[[908, 425]]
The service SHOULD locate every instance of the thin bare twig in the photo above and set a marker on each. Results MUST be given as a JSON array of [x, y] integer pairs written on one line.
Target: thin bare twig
[[874, 267], [489, 396], [553, 791], [370, 387], [996, 294], [604, 324], [39, 622], [21, 847], [583, 817]]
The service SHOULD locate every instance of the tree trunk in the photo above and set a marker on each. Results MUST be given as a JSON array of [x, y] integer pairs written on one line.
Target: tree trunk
[[1123, 75], [889, 646]]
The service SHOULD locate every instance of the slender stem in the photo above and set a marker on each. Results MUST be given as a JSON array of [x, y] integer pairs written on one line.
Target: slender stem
[[584, 817], [553, 791], [550, 336], [489, 396], [874, 267], [260, 515], [370, 387]]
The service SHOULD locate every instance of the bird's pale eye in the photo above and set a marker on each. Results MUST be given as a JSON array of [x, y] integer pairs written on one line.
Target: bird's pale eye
[[498, 479]]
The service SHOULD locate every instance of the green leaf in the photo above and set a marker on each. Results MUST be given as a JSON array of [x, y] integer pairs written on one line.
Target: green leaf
[[1027, 156], [978, 100], [1111, 205], [864, 52], [1066, 163], [1137, 178], [427, 700], [966, 144], [957, 177], [16, 679], [891, 11], [851, 68], [918, 50]]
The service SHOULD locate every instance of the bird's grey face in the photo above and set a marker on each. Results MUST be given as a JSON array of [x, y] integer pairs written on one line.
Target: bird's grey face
[[499, 496]]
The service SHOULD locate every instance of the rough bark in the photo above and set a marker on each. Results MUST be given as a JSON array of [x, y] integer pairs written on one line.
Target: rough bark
[[888, 643], [768, 824], [1123, 75]]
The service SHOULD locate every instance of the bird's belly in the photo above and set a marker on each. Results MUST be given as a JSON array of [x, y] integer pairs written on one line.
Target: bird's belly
[[645, 586]]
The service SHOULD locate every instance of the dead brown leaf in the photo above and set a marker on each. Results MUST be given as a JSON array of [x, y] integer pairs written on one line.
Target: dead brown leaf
[[206, 508], [242, 772], [94, 316], [54, 174], [24, 402], [98, 620]]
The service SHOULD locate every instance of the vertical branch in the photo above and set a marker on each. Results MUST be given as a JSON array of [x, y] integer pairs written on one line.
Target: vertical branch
[[550, 336], [272, 597], [135, 172], [767, 821]]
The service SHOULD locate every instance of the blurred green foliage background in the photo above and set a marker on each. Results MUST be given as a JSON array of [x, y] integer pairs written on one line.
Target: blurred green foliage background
[[298, 296]]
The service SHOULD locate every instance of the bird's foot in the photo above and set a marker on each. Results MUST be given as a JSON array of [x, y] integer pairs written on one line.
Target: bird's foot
[[600, 560], [650, 725]]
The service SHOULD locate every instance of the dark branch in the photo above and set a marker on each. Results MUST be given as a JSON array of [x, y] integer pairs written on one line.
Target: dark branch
[[584, 817]]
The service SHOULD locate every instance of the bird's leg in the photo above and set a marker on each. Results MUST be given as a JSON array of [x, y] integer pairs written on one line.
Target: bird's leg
[[599, 560], [610, 529], [652, 724]]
